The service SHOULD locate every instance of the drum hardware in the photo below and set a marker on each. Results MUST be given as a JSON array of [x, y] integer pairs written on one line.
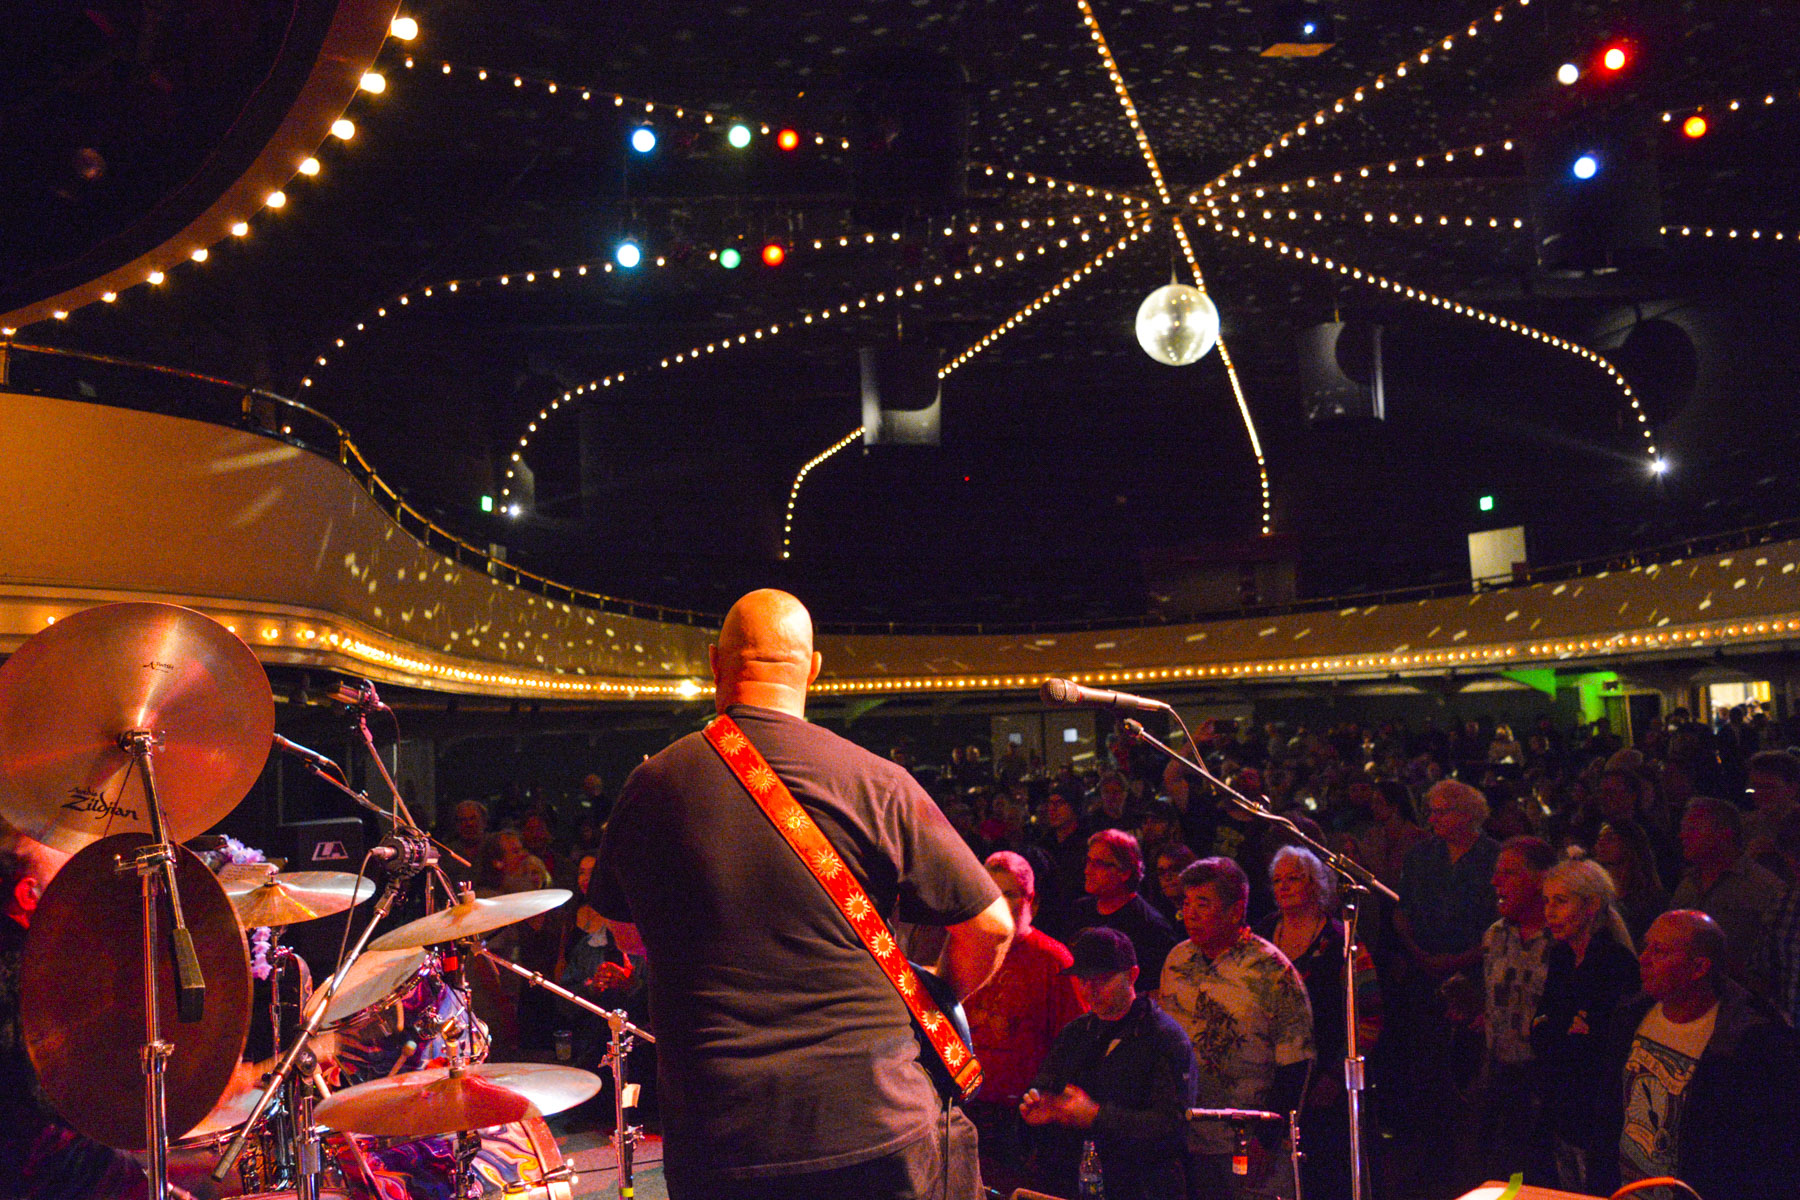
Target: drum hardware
[[113, 697], [619, 1044]]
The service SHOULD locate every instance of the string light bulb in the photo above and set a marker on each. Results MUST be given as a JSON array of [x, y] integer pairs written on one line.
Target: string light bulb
[[343, 129], [404, 28], [373, 82]]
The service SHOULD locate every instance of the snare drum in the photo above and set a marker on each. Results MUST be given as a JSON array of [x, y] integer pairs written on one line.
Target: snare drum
[[395, 1012], [520, 1161], [260, 1167]]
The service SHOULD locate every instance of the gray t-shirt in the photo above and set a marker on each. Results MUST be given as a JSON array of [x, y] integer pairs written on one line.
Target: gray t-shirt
[[782, 1048]]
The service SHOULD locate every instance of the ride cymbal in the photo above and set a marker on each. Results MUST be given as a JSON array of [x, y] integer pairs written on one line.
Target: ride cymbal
[[70, 692], [471, 917], [451, 1099]]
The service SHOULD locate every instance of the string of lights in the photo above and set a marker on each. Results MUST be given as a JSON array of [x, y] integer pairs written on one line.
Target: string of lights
[[1375, 171], [580, 270], [1767, 100], [845, 308], [944, 372], [1162, 191], [1436, 220], [738, 130], [309, 167], [1706, 231], [787, 519], [1053, 184], [1469, 311], [1344, 104], [1037, 305]]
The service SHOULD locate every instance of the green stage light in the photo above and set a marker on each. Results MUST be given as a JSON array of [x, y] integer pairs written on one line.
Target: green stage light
[[739, 137], [729, 258], [1486, 503]]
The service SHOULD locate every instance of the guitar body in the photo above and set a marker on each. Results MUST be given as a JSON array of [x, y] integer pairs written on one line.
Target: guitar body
[[942, 995]]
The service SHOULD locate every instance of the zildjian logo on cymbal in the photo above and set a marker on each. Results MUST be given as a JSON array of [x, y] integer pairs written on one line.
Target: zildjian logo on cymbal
[[87, 800]]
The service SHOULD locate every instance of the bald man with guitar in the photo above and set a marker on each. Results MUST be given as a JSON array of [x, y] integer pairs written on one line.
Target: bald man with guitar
[[760, 861]]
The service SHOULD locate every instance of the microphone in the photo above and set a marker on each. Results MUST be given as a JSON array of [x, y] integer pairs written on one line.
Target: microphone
[[362, 697], [1067, 693], [301, 752]]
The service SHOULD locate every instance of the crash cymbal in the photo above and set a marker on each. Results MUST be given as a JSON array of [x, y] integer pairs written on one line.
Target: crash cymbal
[[472, 917], [71, 690], [296, 896], [81, 994], [449, 1099]]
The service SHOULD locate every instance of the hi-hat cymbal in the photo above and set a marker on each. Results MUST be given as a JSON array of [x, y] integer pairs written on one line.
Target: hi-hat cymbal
[[81, 994], [472, 917], [70, 691], [296, 896], [449, 1099]]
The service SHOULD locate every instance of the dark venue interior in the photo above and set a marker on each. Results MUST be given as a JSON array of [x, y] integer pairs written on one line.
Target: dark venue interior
[[418, 386]]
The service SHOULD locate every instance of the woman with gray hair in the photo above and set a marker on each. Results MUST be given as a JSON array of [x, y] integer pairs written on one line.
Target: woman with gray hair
[[1305, 929], [1591, 970]]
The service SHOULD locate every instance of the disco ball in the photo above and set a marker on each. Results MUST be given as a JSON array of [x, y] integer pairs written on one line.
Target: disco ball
[[1177, 324]]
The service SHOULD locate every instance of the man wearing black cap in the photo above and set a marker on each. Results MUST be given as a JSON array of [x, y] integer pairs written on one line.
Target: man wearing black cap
[[1123, 1075]]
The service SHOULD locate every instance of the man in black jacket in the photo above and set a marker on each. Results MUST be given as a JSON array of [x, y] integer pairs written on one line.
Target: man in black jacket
[[1701, 1076], [1123, 1075]]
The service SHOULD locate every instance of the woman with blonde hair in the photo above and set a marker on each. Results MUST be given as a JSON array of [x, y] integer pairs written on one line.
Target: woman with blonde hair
[[1591, 969]]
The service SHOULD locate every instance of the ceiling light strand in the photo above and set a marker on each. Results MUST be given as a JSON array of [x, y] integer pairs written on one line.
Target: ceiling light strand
[[1456, 308], [1435, 51], [787, 520], [638, 105], [862, 304], [1375, 172]]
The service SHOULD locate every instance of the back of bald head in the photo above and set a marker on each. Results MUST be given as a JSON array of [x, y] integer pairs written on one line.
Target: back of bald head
[[765, 649]]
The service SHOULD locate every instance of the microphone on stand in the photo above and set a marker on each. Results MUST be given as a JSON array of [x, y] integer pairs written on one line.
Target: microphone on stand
[[1067, 693], [361, 697], [301, 752]]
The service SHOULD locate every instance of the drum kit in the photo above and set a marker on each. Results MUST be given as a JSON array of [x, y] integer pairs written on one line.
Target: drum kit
[[127, 730]]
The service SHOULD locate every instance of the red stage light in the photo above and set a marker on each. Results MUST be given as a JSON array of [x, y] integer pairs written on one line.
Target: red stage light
[[787, 139], [1694, 126], [1615, 57], [773, 254]]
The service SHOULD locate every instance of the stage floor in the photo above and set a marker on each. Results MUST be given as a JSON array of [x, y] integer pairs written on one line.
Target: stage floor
[[592, 1157]]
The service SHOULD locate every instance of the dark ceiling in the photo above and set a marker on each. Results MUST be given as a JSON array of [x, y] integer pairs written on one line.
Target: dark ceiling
[[1076, 477]]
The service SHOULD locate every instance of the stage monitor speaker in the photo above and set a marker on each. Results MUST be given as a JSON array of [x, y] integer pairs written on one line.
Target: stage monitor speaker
[[1329, 365], [1609, 220], [902, 398], [910, 143]]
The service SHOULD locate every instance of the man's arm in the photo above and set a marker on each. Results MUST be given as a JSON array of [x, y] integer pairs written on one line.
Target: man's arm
[[974, 948]]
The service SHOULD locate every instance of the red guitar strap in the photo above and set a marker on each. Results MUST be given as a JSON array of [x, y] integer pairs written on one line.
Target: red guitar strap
[[802, 833]]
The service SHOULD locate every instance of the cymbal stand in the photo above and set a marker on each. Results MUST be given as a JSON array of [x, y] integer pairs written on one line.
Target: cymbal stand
[[302, 1165], [155, 867], [619, 1044], [401, 869]]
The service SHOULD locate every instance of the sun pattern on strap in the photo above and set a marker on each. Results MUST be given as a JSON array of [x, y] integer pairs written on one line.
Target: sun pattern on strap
[[762, 779], [734, 743]]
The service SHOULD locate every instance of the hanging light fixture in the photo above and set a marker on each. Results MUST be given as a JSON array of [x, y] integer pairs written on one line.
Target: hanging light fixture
[[1177, 324]]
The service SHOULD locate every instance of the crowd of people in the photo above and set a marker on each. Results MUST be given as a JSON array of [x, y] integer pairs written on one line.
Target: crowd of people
[[1592, 975]]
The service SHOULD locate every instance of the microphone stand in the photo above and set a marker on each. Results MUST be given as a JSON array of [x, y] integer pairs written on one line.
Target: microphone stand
[[1356, 882], [624, 1138], [414, 851]]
